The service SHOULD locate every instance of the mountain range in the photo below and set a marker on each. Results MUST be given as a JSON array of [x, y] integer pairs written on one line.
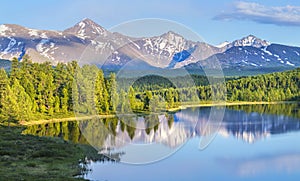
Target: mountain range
[[91, 43]]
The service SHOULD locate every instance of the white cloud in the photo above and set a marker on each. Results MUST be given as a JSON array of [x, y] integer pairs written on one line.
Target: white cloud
[[279, 15]]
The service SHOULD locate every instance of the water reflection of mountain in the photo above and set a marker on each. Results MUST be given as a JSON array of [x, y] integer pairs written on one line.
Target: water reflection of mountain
[[254, 126], [171, 130]]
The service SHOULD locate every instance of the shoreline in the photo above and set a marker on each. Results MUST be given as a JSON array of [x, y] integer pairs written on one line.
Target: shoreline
[[57, 120], [212, 104], [182, 107]]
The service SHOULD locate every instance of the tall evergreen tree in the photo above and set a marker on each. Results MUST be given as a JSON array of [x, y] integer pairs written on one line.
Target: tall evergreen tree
[[15, 73], [23, 101], [64, 100], [112, 90], [101, 96], [131, 97], [8, 103]]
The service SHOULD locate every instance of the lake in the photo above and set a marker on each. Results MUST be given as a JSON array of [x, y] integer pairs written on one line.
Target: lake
[[255, 142]]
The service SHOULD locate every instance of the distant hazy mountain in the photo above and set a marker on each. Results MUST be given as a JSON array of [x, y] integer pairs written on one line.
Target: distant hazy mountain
[[114, 50]]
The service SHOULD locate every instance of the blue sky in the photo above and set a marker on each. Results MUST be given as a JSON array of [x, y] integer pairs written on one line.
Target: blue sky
[[215, 21]]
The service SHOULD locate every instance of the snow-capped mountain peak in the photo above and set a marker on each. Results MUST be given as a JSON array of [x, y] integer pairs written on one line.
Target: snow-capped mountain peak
[[87, 29], [169, 50], [171, 34], [251, 40]]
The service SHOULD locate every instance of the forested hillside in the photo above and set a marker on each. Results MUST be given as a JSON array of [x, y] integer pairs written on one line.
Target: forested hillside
[[33, 91]]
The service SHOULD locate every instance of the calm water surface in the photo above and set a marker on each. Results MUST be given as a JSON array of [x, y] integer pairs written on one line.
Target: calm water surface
[[251, 143]]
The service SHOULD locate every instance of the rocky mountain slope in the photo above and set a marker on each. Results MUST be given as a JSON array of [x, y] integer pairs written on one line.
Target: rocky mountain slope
[[90, 43], [252, 52]]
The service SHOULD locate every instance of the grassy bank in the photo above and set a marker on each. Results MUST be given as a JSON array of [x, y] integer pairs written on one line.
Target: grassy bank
[[55, 120], [26, 157]]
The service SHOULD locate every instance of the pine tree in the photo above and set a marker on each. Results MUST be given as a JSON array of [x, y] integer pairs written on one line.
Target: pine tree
[[124, 105], [131, 97], [64, 100], [8, 103], [147, 100], [112, 90], [57, 104], [105, 101], [170, 97], [101, 97], [14, 74], [154, 103], [75, 97], [24, 103], [288, 93]]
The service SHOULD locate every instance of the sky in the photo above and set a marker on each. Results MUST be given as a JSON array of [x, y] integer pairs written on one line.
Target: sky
[[215, 21]]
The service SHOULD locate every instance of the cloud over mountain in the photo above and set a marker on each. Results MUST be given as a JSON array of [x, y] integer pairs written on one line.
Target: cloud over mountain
[[278, 15]]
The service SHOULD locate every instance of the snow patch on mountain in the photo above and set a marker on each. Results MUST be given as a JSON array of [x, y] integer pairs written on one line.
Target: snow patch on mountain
[[266, 51], [81, 32], [276, 56], [136, 45], [81, 24], [253, 64], [39, 46], [221, 45], [289, 63], [10, 45], [33, 32], [44, 36], [52, 45], [3, 29]]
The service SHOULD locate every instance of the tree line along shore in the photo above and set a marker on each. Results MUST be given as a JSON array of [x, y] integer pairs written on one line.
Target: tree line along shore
[[40, 91]]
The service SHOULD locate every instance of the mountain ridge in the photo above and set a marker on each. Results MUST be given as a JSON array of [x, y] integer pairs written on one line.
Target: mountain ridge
[[169, 50]]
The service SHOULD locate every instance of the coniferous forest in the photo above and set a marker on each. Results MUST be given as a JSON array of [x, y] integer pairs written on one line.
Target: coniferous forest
[[32, 91]]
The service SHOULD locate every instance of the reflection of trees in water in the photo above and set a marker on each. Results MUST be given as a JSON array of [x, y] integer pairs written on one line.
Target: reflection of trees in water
[[128, 124], [96, 130], [151, 123], [69, 131], [130, 128], [292, 110], [170, 119], [250, 123]]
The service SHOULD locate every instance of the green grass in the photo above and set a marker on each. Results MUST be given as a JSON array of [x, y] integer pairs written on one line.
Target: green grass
[[26, 157]]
